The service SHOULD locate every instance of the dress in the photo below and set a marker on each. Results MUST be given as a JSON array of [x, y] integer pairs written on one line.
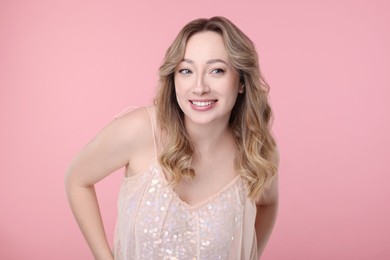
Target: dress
[[154, 223]]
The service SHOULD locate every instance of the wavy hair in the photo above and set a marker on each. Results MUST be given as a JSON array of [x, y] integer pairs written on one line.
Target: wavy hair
[[256, 157]]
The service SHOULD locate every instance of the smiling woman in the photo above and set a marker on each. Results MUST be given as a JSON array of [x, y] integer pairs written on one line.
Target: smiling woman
[[206, 81], [201, 163]]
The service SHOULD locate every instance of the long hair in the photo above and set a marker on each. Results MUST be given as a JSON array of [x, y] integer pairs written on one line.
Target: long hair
[[256, 158]]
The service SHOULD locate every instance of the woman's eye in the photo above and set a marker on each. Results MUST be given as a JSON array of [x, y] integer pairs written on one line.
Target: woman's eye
[[185, 71], [217, 71]]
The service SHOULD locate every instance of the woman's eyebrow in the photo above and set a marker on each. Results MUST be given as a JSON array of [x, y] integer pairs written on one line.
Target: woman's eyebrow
[[216, 61], [208, 62], [187, 60]]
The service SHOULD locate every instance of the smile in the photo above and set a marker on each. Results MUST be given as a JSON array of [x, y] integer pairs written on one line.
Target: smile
[[203, 103]]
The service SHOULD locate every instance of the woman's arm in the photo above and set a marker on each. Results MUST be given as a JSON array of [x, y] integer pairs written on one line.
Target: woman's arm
[[267, 210], [86, 211], [110, 150]]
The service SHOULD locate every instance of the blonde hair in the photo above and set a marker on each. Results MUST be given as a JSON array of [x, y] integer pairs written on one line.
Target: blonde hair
[[250, 121]]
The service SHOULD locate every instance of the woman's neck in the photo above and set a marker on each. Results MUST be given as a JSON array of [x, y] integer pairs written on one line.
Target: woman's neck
[[210, 137]]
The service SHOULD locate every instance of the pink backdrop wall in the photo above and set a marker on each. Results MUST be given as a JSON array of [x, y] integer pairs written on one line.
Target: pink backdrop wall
[[67, 67]]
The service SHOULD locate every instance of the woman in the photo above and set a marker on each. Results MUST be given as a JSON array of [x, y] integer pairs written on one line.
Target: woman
[[201, 163]]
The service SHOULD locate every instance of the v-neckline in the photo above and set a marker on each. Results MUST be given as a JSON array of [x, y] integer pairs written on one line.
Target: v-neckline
[[201, 203]]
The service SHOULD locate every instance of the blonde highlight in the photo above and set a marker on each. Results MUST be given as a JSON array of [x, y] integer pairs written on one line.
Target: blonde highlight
[[250, 121]]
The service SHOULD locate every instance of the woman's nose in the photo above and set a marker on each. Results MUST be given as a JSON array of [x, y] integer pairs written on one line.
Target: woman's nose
[[200, 86]]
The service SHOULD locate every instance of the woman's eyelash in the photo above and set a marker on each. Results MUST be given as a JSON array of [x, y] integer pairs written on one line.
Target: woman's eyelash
[[214, 71], [185, 71], [217, 71]]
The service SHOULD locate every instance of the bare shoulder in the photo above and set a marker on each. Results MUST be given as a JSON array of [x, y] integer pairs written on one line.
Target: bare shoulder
[[132, 128], [124, 136], [127, 137]]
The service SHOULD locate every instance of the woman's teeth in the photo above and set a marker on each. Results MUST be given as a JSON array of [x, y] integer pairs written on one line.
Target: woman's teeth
[[202, 104]]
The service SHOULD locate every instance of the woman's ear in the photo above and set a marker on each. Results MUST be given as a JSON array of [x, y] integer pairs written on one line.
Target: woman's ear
[[241, 89], [242, 82]]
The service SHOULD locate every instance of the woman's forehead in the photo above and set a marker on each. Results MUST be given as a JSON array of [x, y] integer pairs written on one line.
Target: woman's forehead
[[205, 46]]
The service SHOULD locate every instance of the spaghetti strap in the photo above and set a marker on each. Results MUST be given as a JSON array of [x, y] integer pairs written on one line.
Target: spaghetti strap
[[126, 110], [154, 133]]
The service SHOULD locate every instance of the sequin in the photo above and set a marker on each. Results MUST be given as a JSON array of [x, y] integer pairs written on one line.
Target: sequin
[[205, 243], [168, 228]]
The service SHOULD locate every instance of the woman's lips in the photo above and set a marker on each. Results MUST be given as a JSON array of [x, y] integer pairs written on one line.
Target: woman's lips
[[203, 105]]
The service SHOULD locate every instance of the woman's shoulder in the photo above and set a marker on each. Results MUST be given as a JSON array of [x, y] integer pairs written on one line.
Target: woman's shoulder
[[128, 130], [135, 128], [133, 122], [133, 113]]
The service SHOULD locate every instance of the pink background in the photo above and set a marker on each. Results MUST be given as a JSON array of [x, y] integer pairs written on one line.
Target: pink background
[[67, 67]]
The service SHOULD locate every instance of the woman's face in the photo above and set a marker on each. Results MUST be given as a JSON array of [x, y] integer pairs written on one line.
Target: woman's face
[[206, 83]]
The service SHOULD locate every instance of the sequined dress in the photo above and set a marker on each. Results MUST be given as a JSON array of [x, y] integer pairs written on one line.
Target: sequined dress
[[154, 223]]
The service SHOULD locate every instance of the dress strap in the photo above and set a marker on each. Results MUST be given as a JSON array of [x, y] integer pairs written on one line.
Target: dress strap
[[125, 111], [154, 132]]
